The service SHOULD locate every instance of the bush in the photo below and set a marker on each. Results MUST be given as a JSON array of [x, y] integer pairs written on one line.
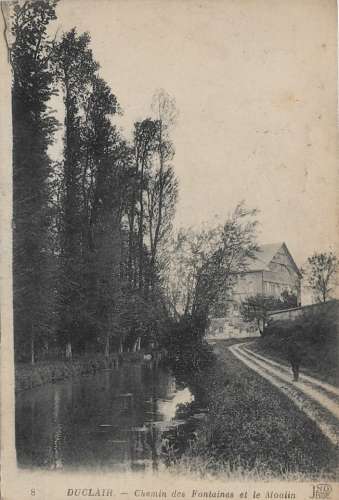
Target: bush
[[189, 356], [317, 332]]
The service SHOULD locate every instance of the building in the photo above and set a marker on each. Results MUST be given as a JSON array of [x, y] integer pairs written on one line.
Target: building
[[270, 272]]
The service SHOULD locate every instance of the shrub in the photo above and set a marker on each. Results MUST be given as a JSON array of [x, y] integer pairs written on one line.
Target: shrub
[[189, 355], [317, 332]]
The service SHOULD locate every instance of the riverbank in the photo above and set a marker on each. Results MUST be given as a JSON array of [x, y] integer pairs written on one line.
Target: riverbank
[[28, 376], [253, 431]]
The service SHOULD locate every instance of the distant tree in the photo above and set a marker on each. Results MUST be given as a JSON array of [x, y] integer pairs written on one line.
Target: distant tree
[[257, 309], [321, 274], [205, 264], [288, 299], [233, 245], [162, 190], [189, 252], [162, 186], [144, 147]]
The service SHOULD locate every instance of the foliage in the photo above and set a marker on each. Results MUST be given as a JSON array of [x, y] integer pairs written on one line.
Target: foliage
[[316, 330], [288, 300], [90, 230], [316, 323], [188, 354], [162, 185], [111, 205], [33, 129], [252, 429], [204, 267], [205, 263], [258, 307], [321, 274]]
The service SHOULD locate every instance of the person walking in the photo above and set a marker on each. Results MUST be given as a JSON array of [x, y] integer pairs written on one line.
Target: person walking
[[294, 353]]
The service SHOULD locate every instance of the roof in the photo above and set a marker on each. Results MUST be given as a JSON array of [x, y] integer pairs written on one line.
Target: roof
[[265, 255]]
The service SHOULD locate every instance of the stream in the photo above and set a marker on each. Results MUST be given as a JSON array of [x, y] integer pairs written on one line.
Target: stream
[[117, 420]]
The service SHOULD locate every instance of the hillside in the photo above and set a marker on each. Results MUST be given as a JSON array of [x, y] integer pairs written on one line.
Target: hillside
[[317, 333]]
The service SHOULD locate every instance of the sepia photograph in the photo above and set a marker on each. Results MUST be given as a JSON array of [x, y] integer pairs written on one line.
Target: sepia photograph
[[170, 270]]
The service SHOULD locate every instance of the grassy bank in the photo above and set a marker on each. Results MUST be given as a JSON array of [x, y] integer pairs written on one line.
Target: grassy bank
[[316, 332], [254, 431], [319, 361], [28, 376]]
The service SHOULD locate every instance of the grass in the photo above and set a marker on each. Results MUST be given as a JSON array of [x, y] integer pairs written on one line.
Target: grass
[[253, 431], [28, 376], [319, 361], [317, 334]]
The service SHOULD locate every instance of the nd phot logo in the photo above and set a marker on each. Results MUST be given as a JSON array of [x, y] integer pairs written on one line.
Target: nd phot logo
[[321, 491]]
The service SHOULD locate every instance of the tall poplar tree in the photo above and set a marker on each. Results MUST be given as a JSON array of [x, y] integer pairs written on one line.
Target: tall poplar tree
[[75, 70], [162, 188], [33, 128], [105, 160]]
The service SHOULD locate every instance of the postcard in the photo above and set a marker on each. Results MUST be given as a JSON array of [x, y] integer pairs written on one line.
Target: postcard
[[169, 249]]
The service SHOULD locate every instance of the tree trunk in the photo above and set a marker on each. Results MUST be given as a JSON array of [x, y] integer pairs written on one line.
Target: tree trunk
[[141, 224], [69, 351], [137, 344], [32, 347], [107, 346], [261, 329], [121, 347], [131, 218]]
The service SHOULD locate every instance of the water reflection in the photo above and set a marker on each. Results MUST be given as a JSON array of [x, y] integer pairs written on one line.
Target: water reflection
[[116, 419], [57, 434], [169, 407]]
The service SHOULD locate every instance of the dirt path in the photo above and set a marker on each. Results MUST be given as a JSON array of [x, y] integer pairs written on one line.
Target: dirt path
[[319, 400]]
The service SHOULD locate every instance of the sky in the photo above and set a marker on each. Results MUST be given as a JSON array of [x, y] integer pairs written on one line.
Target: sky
[[255, 87]]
